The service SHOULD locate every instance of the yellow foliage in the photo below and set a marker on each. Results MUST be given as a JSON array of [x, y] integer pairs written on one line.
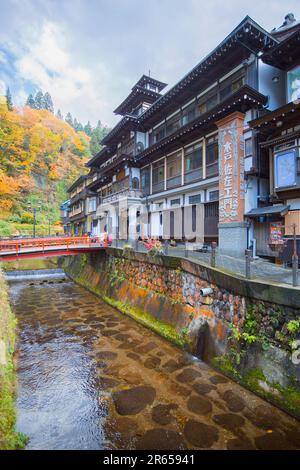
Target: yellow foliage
[[37, 150]]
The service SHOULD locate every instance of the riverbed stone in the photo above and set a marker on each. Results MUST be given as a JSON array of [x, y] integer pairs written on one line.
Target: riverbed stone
[[146, 348], [199, 405], [152, 362], [240, 443], [109, 332], [234, 401], [134, 400], [273, 441], [107, 382], [106, 355], [200, 434], [133, 356], [229, 421], [161, 439], [218, 379], [262, 416], [188, 375], [161, 413], [203, 388]]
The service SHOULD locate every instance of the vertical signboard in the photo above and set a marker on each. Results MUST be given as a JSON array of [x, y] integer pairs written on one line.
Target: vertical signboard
[[231, 169]]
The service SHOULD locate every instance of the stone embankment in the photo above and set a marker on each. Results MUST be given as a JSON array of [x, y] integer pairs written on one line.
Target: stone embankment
[[247, 329], [9, 438]]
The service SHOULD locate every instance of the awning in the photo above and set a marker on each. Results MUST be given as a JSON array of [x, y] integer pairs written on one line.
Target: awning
[[268, 210]]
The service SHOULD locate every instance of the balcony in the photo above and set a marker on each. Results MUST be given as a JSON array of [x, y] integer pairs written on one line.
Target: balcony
[[212, 169], [193, 175], [126, 192]]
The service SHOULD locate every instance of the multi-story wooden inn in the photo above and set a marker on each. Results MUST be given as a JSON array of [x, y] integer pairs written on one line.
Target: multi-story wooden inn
[[186, 164]]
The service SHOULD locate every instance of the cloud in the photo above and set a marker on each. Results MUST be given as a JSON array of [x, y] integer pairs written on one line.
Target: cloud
[[89, 54], [48, 64]]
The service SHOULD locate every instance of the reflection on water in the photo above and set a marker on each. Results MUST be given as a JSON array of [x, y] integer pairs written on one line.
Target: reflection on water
[[91, 378]]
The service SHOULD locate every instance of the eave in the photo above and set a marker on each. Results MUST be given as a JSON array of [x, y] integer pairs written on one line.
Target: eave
[[247, 37], [245, 98], [126, 124], [268, 123], [76, 183], [286, 54], [137, 95]]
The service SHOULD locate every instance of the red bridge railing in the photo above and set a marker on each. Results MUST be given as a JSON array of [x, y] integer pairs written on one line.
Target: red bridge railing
[[42, 244]]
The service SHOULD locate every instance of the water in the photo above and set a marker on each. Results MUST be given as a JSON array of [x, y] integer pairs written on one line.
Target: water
[[92, 378]]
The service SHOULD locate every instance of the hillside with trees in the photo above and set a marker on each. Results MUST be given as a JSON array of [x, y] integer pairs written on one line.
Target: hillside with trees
[[40, 156]]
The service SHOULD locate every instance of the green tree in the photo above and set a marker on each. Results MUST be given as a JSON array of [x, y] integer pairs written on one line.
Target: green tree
[[39, 100], [48, 103], [9, 99], [69, 119], [88, 129], [97, 135], [59, 115], [30, 101]]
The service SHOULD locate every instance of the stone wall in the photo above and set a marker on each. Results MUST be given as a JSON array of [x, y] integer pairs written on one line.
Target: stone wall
[[244, 328]]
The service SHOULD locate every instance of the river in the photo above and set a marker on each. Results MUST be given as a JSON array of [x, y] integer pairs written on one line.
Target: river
[[91, 378]]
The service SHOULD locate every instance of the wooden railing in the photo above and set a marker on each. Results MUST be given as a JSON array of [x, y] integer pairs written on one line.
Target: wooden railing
[[42, 244]]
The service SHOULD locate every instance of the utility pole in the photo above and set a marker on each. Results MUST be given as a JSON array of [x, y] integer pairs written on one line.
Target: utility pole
[[34, 211], [295, 258]]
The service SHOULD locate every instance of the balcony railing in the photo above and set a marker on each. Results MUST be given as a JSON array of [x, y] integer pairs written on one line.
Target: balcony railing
[[193, 175], [212, 170], [174, 182], [127, 148], [158, 187], [126, 192]]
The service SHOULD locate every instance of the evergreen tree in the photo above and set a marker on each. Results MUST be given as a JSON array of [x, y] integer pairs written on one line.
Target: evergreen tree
[[48, 103], [59, 115], [30, 101], [69, 119], [80, 127], [9, 99], [97, 135], [88, 129], [39, 100]]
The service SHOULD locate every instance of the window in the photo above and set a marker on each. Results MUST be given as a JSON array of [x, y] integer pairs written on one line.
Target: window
[[214, 195], [145, 180], [194, 218], [212, 101], [286, 168], [173, 124], [293, 84], [135, 183], [195, 199], [158, 176], [188, 114], [193, 157], [175, 202], [248, 147], [212, 157], [159, 133], [92, 205], [231, 85], [174, 170]]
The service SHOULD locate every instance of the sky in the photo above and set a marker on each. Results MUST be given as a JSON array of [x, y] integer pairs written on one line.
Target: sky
[[89, 53]]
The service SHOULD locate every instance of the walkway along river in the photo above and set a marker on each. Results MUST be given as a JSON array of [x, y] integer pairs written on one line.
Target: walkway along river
[[91, 378]]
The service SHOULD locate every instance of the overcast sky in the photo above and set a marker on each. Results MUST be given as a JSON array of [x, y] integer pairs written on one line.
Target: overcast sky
[[89, 53]]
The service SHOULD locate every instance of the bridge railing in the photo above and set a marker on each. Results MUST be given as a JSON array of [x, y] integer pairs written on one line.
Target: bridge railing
[[41, 244]]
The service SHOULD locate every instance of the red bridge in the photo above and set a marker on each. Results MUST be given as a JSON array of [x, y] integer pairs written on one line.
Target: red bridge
[[11, 250]]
